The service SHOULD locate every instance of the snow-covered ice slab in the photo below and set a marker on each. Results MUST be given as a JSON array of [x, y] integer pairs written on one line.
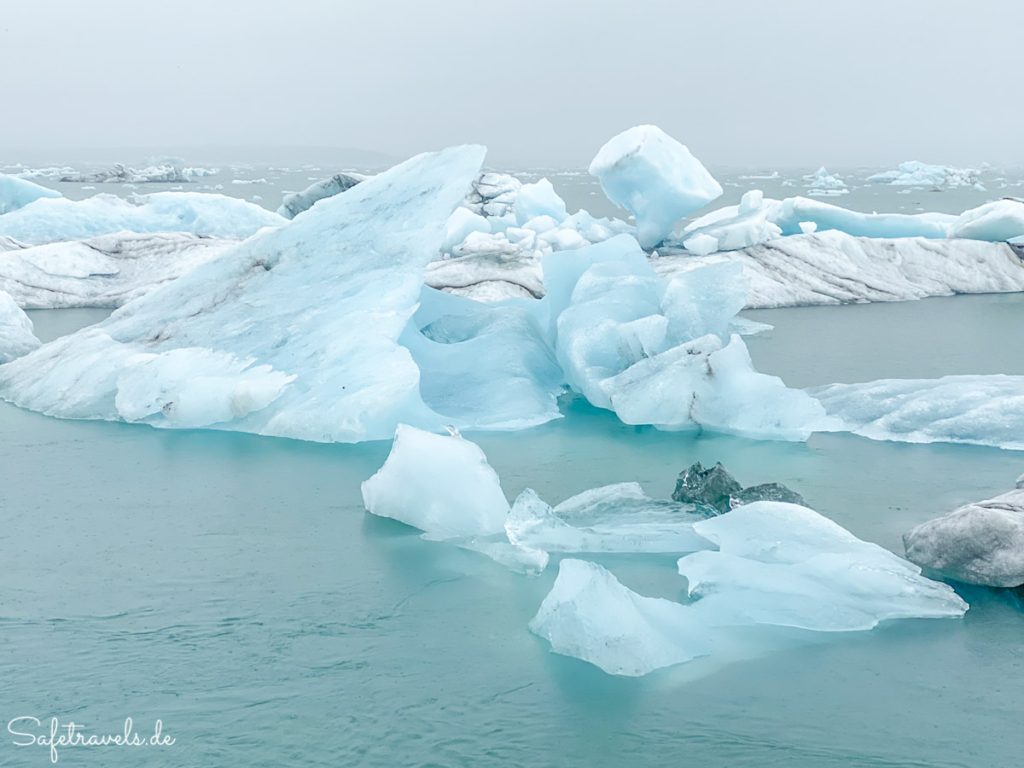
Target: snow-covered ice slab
[[613, 518], [832, 267], [977, 410], [654, 177], [54, 220], [295, 332], [16, 193], [978, 543], [441, 484], [105, 271], [17, 338], [778, 565]]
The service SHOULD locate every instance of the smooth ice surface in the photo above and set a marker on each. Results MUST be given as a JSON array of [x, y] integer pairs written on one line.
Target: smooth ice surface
[[16, 336], [589, 615], [654, 177], [831, 267], [978, 543], [978, 410], [441, 484], [16, 193], [612, 518], [297, 202], [786, 565], [322, 301], [995, 221], [462, 223], [53, 220], [104, 271], [539, 199]]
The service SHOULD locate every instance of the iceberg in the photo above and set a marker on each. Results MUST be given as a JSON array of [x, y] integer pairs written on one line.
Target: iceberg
[[979, 543], [539, 199], [53, 220], [324, 301], [995, 221], [297, 202], [441, 484], [105, 271], [716, 491], [823, 182], [16, 336], [655, 178], [778, 565], [831, 267], [917, 174], [161, 173], [16, 193], [977, 410]]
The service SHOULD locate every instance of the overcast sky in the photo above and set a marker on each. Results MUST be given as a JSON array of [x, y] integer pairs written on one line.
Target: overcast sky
[[742, 83]]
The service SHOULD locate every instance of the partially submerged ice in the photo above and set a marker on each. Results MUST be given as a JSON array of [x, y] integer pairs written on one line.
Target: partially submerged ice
[[441, 484], [716, 490], [52, 220], [307, 331], [105, 271], [297, 202], [778, 565], [16, 335], [654, 177], [978, 410], [978, 543], [16, 193]]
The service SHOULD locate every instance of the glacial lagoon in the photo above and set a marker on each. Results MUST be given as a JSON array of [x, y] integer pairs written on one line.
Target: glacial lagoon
[[234, 587]]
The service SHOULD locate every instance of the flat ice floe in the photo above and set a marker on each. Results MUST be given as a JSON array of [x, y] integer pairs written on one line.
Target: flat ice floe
[[16, 336], [778, 565], [977, 410], [104, 271], [53, 220], [832, 267]]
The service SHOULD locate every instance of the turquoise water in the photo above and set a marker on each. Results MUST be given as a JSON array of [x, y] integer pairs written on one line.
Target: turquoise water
[[234, 587]]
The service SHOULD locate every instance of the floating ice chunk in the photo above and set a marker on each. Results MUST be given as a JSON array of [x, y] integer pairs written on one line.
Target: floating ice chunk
[[539, 199], [158, 173], [979, 187], [917, 174], [16, 336], [831, 267], [979, 543], [530, 562], [297, 202], [752, 200], [978, 410], [702, 245], [441, 484], [822, 179], [808, 227], [655, 178], [717, 491], [493, 195], [614, 518], [461, 224], [16, 193], [998, 220], [105, 271], [589, 615], [53, 220], [786, 565]]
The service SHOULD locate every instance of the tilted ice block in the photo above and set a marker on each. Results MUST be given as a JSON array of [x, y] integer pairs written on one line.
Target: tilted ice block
[[297, 202], [441, 484], [324, 299], [589, 615], [995, 221], [834, 268], [16, 336], [16, 193], [105, 271], [53, 220], [979, 410], [978, 543], [613, 518], [539, 199], [655, 178], [460, 225]]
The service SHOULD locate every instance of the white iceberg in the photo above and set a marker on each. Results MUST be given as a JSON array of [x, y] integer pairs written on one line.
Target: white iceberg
[[995, 221], [105, 271], [655, 178], [824, 182], [917, 174], [53, 220], [16, 193], [441, 484], [16, 335], [165, 173], [978, 543], [977, 410]]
